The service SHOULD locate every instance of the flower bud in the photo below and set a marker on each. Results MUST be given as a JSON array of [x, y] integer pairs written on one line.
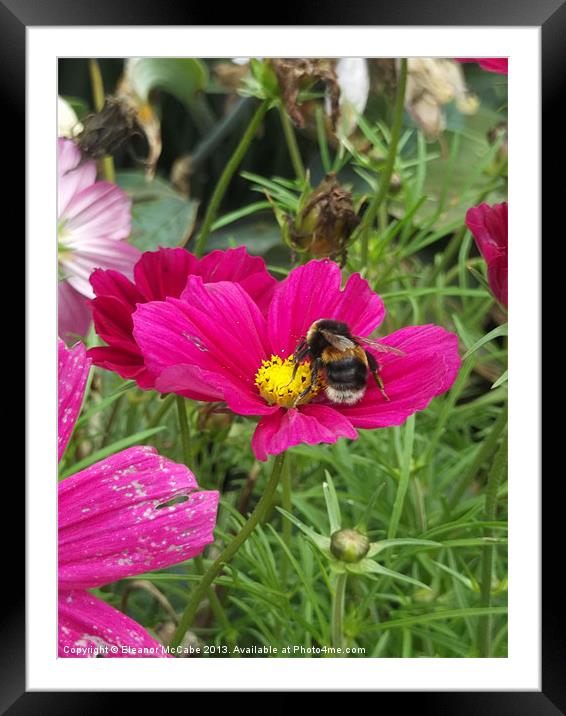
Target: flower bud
[[349, 545], [326, 221]]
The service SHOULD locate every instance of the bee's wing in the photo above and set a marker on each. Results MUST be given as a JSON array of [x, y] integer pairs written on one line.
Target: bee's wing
[[380, 347], [338, 341]]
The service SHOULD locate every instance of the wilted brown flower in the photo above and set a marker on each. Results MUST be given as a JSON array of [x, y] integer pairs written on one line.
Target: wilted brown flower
[[432, 83], [297, 74], [107, 131], [326, 221]]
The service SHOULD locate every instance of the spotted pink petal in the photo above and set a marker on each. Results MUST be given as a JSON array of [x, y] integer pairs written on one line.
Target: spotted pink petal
[[221, 331], [73, 313], [73, 368], [311, 424], [313, 291], [87, 625], [428, 368], [115, 520]]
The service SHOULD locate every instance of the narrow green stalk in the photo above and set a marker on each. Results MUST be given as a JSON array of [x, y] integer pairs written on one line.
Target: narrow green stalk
[[496, 475], [292, 145], [226, 176], [286, 503], [338, 599], [404, 477], [260, 512], [163, 409], [185, 431], [385, 179], [216, 604], [98, 97], [484, 453]]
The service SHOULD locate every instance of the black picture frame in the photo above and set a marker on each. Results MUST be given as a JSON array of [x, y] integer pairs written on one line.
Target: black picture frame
[[550, 16]]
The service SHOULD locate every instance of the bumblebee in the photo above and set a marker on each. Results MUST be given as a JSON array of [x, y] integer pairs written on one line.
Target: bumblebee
[[342, 359]]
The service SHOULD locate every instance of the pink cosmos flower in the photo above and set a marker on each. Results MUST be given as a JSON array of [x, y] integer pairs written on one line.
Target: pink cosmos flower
[[488, 224], [158, 275], [93, 218], [214, 344], [115, 522], [491, 64]]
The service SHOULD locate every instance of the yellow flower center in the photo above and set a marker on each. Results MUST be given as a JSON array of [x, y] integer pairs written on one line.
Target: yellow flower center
[[276, 385]]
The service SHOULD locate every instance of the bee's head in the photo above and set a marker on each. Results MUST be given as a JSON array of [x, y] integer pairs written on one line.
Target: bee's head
[[338, 328]]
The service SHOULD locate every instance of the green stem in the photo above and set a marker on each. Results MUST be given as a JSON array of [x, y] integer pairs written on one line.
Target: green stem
[[286, 503], [404, 477], [215, 604], [185, 431], [163, 409], [98, 97], [260, 512], [385, 179], [496, 475], [338, 599], [292, 145], [226, 177], [484, 453]]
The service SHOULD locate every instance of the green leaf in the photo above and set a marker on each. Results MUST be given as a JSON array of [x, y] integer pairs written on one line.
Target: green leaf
[[332, 504], [160, 215], [377, 547], [500, 381], [368, 566], [322, 542], [110, 450], [184, 77], [495, 333]]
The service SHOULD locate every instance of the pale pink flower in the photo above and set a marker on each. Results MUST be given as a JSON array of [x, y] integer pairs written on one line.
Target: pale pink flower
[[94, 218], [116, 521]]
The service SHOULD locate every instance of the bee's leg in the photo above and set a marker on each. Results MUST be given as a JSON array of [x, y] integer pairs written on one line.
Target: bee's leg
[[314, 376], [374, 368], [300, 353]]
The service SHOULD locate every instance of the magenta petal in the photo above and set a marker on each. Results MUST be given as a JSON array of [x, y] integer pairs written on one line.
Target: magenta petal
[[488, 225], [114, 520], [127, 361], [428, 368], [491, 64], [73, 371], [112, 284], [238, 266], [310, 424], [74, 315], [217, 328], [87, 624], [163, 273], [311, 292], [191, 382]]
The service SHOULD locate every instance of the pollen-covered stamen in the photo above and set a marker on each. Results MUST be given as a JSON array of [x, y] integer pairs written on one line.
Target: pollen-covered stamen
[[277, 386]]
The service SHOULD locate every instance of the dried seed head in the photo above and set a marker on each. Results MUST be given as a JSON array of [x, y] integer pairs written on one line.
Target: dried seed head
[[298, 74], [326, 222], [107, 131]]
